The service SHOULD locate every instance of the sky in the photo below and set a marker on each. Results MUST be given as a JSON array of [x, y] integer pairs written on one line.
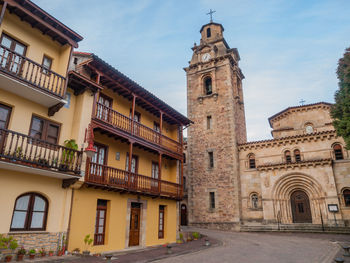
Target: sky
[[289, 49]]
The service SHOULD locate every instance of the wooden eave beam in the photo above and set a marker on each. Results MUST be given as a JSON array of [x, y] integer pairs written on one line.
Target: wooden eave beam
[[40, 20]]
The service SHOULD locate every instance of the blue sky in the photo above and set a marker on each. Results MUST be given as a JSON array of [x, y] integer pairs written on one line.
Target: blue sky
[[289, 49]]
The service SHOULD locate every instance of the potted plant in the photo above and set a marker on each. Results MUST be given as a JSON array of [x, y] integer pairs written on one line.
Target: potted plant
[[195, 235], [68, 154], [2, 245], [87, 241], [20, 254], [31, 253], [42, 252], [17, 153], [8, 258], [76, 251], [59, 251], [43, 162], [9, 243], [50, 253]]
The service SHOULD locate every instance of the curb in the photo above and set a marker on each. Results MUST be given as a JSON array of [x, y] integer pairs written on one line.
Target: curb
[[219, 243]]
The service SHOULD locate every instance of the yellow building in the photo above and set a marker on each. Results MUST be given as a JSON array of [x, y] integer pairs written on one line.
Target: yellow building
[[132, 185], [36, 118]]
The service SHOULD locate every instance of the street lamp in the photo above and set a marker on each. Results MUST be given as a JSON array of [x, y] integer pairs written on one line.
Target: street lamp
[[89, 138]]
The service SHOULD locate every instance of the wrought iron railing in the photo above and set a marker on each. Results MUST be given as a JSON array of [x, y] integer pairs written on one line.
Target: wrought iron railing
[[110, 176], [124, 123], [31, 72], [25, 150]]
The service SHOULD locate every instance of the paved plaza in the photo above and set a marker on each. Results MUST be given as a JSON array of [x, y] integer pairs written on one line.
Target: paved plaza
[[267, 248]]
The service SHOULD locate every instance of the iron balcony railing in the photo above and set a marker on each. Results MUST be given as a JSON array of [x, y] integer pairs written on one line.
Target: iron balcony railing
[[110, 176], [124, 123], [26, 70], [25, 150]]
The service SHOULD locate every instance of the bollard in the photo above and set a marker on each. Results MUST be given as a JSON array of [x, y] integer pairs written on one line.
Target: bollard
[[207, 243], [108, 257], [339, 260], [169, 251], [346, 249]]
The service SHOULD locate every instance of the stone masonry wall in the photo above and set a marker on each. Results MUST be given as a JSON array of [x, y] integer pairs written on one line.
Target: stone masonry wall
[[48, 241]]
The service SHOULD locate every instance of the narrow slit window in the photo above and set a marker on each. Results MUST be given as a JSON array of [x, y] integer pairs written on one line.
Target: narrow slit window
[[208, 122], [211, 159], [297, 156], [212, 200], [208, 32], [338, 152], [252, 164], [287, 156]]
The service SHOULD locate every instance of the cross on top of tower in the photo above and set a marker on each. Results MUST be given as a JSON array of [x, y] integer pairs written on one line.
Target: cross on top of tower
[[302, 102], [211, 12]]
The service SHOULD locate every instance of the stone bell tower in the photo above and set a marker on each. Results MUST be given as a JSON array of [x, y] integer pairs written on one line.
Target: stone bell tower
[[216, 106]]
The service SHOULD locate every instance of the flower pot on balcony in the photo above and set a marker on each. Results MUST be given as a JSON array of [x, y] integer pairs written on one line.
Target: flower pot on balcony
[[31, 256], [63, 167]]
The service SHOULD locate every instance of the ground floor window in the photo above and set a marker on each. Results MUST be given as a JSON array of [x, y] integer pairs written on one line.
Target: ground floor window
[[30, 213], [161, 221], [100, 225]]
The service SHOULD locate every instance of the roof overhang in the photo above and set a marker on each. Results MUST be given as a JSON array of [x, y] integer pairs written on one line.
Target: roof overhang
[[133, 88], [31, 13]]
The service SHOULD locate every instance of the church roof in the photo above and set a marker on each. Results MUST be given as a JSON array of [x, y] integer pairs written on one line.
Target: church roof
[[273, 117], [212, 23]]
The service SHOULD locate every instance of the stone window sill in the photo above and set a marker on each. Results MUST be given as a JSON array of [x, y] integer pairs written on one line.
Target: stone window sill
[[27, 232], [255, 209], [201, 98]]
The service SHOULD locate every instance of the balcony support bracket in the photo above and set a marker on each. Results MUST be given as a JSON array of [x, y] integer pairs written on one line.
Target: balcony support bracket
[[68, 182], [55, 108]]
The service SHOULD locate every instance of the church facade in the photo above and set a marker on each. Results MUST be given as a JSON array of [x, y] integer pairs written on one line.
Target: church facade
[[300, 179]]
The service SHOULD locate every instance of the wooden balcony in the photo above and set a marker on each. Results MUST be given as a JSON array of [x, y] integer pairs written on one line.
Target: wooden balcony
[[23, 150], [102, 176], [125, 124], [27, 78]]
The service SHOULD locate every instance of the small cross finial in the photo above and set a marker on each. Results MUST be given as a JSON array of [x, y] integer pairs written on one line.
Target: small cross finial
[[302, 102], [211, 12]]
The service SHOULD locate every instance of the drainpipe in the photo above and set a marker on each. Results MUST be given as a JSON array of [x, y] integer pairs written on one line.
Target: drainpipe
[[70, 217]]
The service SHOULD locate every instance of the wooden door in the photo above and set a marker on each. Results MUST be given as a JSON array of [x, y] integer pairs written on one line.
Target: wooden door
[[300, 207], [135, 218], [183, 215]]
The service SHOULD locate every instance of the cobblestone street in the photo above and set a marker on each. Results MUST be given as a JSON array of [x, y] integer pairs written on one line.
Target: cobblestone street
[[268, 248]]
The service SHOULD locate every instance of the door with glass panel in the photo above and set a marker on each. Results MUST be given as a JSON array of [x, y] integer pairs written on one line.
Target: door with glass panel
[[11, 54], [98, 163], [134, 168], [155, 177], [103, 107], [5, 112]]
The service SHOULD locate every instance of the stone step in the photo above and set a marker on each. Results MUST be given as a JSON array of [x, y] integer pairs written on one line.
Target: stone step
[[294, 228]]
